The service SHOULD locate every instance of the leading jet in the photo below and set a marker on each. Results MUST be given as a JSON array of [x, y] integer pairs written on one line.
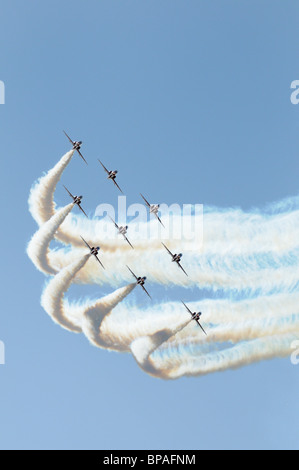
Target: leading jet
[[121, 230], [195, 316], [153, 209], [111, 175], [76, 146], [140, 281], [176, 258], [94, 251], [76, 200]]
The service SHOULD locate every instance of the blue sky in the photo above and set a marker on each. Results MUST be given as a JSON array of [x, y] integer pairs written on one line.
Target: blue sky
[[191, 102]]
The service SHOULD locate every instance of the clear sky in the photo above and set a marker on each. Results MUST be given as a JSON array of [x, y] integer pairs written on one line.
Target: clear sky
[[191, 102]]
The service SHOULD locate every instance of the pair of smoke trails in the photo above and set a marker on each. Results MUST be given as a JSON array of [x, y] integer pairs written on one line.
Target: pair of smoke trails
[[254, 254]]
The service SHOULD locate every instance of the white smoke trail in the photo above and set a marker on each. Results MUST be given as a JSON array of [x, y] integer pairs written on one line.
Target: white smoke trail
[[241, 251], [241, 342], [251, 275], [239, 355], [142, 349], [229, 322], [165, 347], [94, 316], [254, 255], [230, 232], [52, 298], [38, 247], [73, 317], [41, 198]]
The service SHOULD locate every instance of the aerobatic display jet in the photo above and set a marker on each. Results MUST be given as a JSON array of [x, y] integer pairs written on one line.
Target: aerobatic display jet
[[94, 251], [76, 200], [76, 146], [111, 175], [176, 258], [195, 316], [140, 281], [122, 230], [153, 209]]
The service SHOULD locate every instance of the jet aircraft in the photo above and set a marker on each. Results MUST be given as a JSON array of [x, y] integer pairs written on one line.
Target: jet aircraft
[[176, 258], [94, 251], [195, 316], [140, 281], [111, 175], [76, 200], [76, 146]]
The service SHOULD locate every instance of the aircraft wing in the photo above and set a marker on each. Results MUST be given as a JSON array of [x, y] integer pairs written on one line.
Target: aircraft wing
[[160, 220], [180, 266], [128, 241], [201, 327], [69, 138], [187, 308], [132, 273], [69, 192], [81, 209], [104, 167], [86, 243], [167, 249], [99, 261], [146, 202], [117, 185], [115, 224], [82, 156], [146, 291]]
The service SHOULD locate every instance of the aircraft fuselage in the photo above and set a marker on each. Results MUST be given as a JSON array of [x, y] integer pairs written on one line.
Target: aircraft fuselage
[[141, 281], [112, 174], [196, 316], [154, 209], [77, 145]]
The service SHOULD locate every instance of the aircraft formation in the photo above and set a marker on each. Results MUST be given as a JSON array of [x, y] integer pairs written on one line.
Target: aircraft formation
[[153, 209]]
